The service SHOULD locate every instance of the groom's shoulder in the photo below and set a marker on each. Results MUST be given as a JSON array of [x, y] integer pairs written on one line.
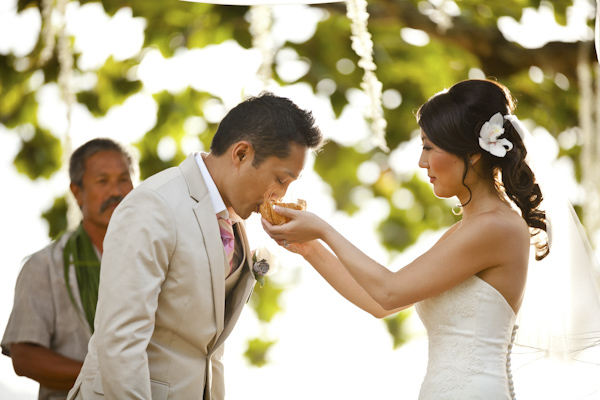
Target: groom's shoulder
[[161, 179], [165, 184]]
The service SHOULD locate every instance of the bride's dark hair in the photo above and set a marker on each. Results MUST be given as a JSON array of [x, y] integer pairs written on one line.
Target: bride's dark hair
[[452, 120]]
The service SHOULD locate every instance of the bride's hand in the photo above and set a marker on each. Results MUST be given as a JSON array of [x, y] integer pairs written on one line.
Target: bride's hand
[[303, 227]]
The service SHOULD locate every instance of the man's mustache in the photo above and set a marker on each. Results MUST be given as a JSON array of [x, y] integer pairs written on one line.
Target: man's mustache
[[109, 202]]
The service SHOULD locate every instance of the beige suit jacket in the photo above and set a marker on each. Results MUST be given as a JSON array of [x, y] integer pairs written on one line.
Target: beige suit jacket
[[162, 315]]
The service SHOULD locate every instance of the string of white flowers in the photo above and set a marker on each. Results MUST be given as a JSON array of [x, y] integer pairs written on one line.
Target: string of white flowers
[[47, 32], [65, 60], [362, 44], [50, 34], [261, 20], [65, 82], [54, 36]]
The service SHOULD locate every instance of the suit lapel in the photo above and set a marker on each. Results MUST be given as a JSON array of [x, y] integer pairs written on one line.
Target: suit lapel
[[216, 256], [209, 226]]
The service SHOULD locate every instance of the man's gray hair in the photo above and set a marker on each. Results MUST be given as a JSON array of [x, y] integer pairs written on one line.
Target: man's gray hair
[[81, 155]]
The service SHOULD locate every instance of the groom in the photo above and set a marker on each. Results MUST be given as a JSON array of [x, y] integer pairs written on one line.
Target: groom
[[171, 289]]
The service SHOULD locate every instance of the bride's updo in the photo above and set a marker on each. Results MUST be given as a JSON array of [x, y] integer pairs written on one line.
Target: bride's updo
[[452, 120]]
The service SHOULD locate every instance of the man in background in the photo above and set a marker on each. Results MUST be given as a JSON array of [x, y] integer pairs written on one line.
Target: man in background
[[53, 314]]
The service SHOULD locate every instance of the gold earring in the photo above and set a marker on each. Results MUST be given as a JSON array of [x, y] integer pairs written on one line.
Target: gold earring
[[460, 209]]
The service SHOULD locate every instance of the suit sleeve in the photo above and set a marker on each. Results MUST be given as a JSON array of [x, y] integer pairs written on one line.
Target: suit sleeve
[[138, 245]]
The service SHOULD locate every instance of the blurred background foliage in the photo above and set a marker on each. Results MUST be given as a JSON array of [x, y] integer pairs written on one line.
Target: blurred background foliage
[[460, 42]]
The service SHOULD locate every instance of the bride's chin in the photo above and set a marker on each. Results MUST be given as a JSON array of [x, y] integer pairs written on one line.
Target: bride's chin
[[441, 195]]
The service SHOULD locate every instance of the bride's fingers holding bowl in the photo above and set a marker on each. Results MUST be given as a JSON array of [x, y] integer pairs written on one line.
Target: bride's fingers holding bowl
[[274, 229], [303, 226], [279, 233], [287, 212], [268, 227]]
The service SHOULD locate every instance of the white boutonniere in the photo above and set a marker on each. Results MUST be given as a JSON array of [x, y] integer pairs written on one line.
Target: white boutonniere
[[488, 136], [264, 264]]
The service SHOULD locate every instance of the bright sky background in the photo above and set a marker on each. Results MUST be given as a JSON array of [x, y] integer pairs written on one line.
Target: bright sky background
[[327, 349]]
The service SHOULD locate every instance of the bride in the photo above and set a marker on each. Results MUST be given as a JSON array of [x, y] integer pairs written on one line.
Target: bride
[[469, 286]]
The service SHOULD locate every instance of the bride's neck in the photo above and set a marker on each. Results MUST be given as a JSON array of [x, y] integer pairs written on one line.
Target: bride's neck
[[484, 198]]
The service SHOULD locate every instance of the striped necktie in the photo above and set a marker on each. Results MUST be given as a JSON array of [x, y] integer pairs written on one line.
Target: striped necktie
[[226, 229]]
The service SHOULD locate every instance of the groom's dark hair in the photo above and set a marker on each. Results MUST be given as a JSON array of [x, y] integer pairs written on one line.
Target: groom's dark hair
[[270, 123]]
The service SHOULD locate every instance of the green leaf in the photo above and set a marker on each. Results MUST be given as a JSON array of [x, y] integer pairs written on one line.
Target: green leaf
[[257, 350], [396, 327], [113, 87], [404, 226], [56, 216], [173, 111], [266, 301], [337, 165], [23, 4], [40, 156]]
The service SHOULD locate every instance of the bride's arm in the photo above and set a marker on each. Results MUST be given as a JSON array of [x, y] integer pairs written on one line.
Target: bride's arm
[[349, 271], [327, 264], [463, 253]]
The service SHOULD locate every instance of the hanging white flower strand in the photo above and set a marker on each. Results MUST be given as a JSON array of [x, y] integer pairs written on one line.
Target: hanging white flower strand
[[261, 20], [47, 33], [356, 10], [55, 38], [65, 60]]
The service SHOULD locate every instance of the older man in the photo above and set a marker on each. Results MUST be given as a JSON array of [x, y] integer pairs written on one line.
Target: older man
[[56, 293]]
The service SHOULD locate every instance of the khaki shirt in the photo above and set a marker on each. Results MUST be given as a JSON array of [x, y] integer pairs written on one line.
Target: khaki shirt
[[43, 313]]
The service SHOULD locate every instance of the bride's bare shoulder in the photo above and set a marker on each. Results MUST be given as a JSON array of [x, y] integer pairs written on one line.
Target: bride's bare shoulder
[[501, 225]]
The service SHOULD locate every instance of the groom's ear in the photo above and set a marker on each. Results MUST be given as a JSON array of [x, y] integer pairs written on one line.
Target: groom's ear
[[241, 152]]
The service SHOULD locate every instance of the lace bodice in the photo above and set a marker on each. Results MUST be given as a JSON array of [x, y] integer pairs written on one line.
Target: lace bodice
[[471, 328]]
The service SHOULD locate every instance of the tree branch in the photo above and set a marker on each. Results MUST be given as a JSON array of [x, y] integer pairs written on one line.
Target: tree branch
[[498, 56]]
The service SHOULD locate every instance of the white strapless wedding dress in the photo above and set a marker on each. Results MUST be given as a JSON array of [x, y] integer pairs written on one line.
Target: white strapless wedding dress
[[471, 330]]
